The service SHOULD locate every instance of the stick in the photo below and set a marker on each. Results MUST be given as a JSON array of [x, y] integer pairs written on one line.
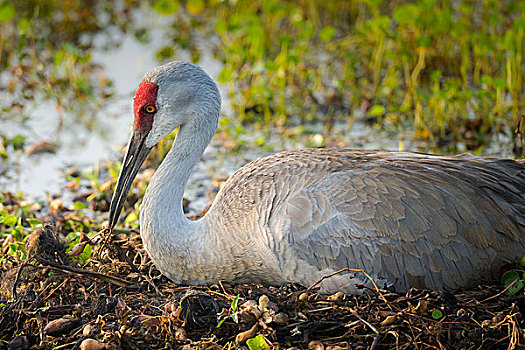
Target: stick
[[519, 129], [374, 329], [17, 279], [104, 240], [107, 278], [351, 270], [497, 295]]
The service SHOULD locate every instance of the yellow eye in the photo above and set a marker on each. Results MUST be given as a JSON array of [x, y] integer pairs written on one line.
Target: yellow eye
[[150, 109]]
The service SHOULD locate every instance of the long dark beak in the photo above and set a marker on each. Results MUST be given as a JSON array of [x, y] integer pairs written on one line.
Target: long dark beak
[[136, 154]]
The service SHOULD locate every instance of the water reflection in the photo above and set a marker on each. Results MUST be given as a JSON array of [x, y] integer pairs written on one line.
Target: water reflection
[[81, 145]]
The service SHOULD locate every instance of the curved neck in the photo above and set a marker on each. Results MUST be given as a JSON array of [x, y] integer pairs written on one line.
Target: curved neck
[[176, 244], [162, 202], [167, 234]]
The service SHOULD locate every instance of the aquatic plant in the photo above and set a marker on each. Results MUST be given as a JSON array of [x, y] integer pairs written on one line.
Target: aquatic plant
[[453, 69]]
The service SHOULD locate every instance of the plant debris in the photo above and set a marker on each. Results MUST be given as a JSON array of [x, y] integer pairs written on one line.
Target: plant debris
[[44, 243], [116, 298]]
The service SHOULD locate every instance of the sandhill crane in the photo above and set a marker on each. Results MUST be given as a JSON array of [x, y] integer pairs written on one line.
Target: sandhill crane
[[408, 219]]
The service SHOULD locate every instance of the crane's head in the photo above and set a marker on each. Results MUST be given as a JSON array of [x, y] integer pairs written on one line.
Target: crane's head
[[172, 95]]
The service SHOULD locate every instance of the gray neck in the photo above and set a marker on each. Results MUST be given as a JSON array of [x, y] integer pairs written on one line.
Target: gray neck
[[162, 204], [175, 243]]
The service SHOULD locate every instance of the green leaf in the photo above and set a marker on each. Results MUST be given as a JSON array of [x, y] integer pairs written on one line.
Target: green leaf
[[436, 75], [285, 39], [3, 153], [376, 111], [424, 41], [486, 79], [79, 205], [18, 142], [221, 322], [521, 261], [34, 223], [24, 26], [327, 33], [500, 83], [82, 84], [7, 12], [85, 255], [72, 236], [166, 7], [13, 248], [512, 279], [9, 220], [132, 217], [114, 170], [437, 314], [270, 65], [195, 7], [235, 302], [165, 53], [224, 76], [257, 343], [407, 14]]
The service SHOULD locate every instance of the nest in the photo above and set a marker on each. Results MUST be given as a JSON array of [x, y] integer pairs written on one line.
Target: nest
[[147, 311]]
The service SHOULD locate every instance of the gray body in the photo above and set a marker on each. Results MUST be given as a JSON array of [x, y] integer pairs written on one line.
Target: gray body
[[407, 219]]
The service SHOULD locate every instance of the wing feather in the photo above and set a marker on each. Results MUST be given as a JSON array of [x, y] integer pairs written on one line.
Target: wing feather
[[412, 220], [417, 224]]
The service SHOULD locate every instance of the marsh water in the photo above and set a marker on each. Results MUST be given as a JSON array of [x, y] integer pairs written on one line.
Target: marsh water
[[81, 147]]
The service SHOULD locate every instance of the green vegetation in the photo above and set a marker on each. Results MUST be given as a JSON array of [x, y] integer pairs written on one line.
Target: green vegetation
[[451, 69], [45, 53], [257, 343], [513, 280], [437, 314], [454, 69], [232, 313]]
